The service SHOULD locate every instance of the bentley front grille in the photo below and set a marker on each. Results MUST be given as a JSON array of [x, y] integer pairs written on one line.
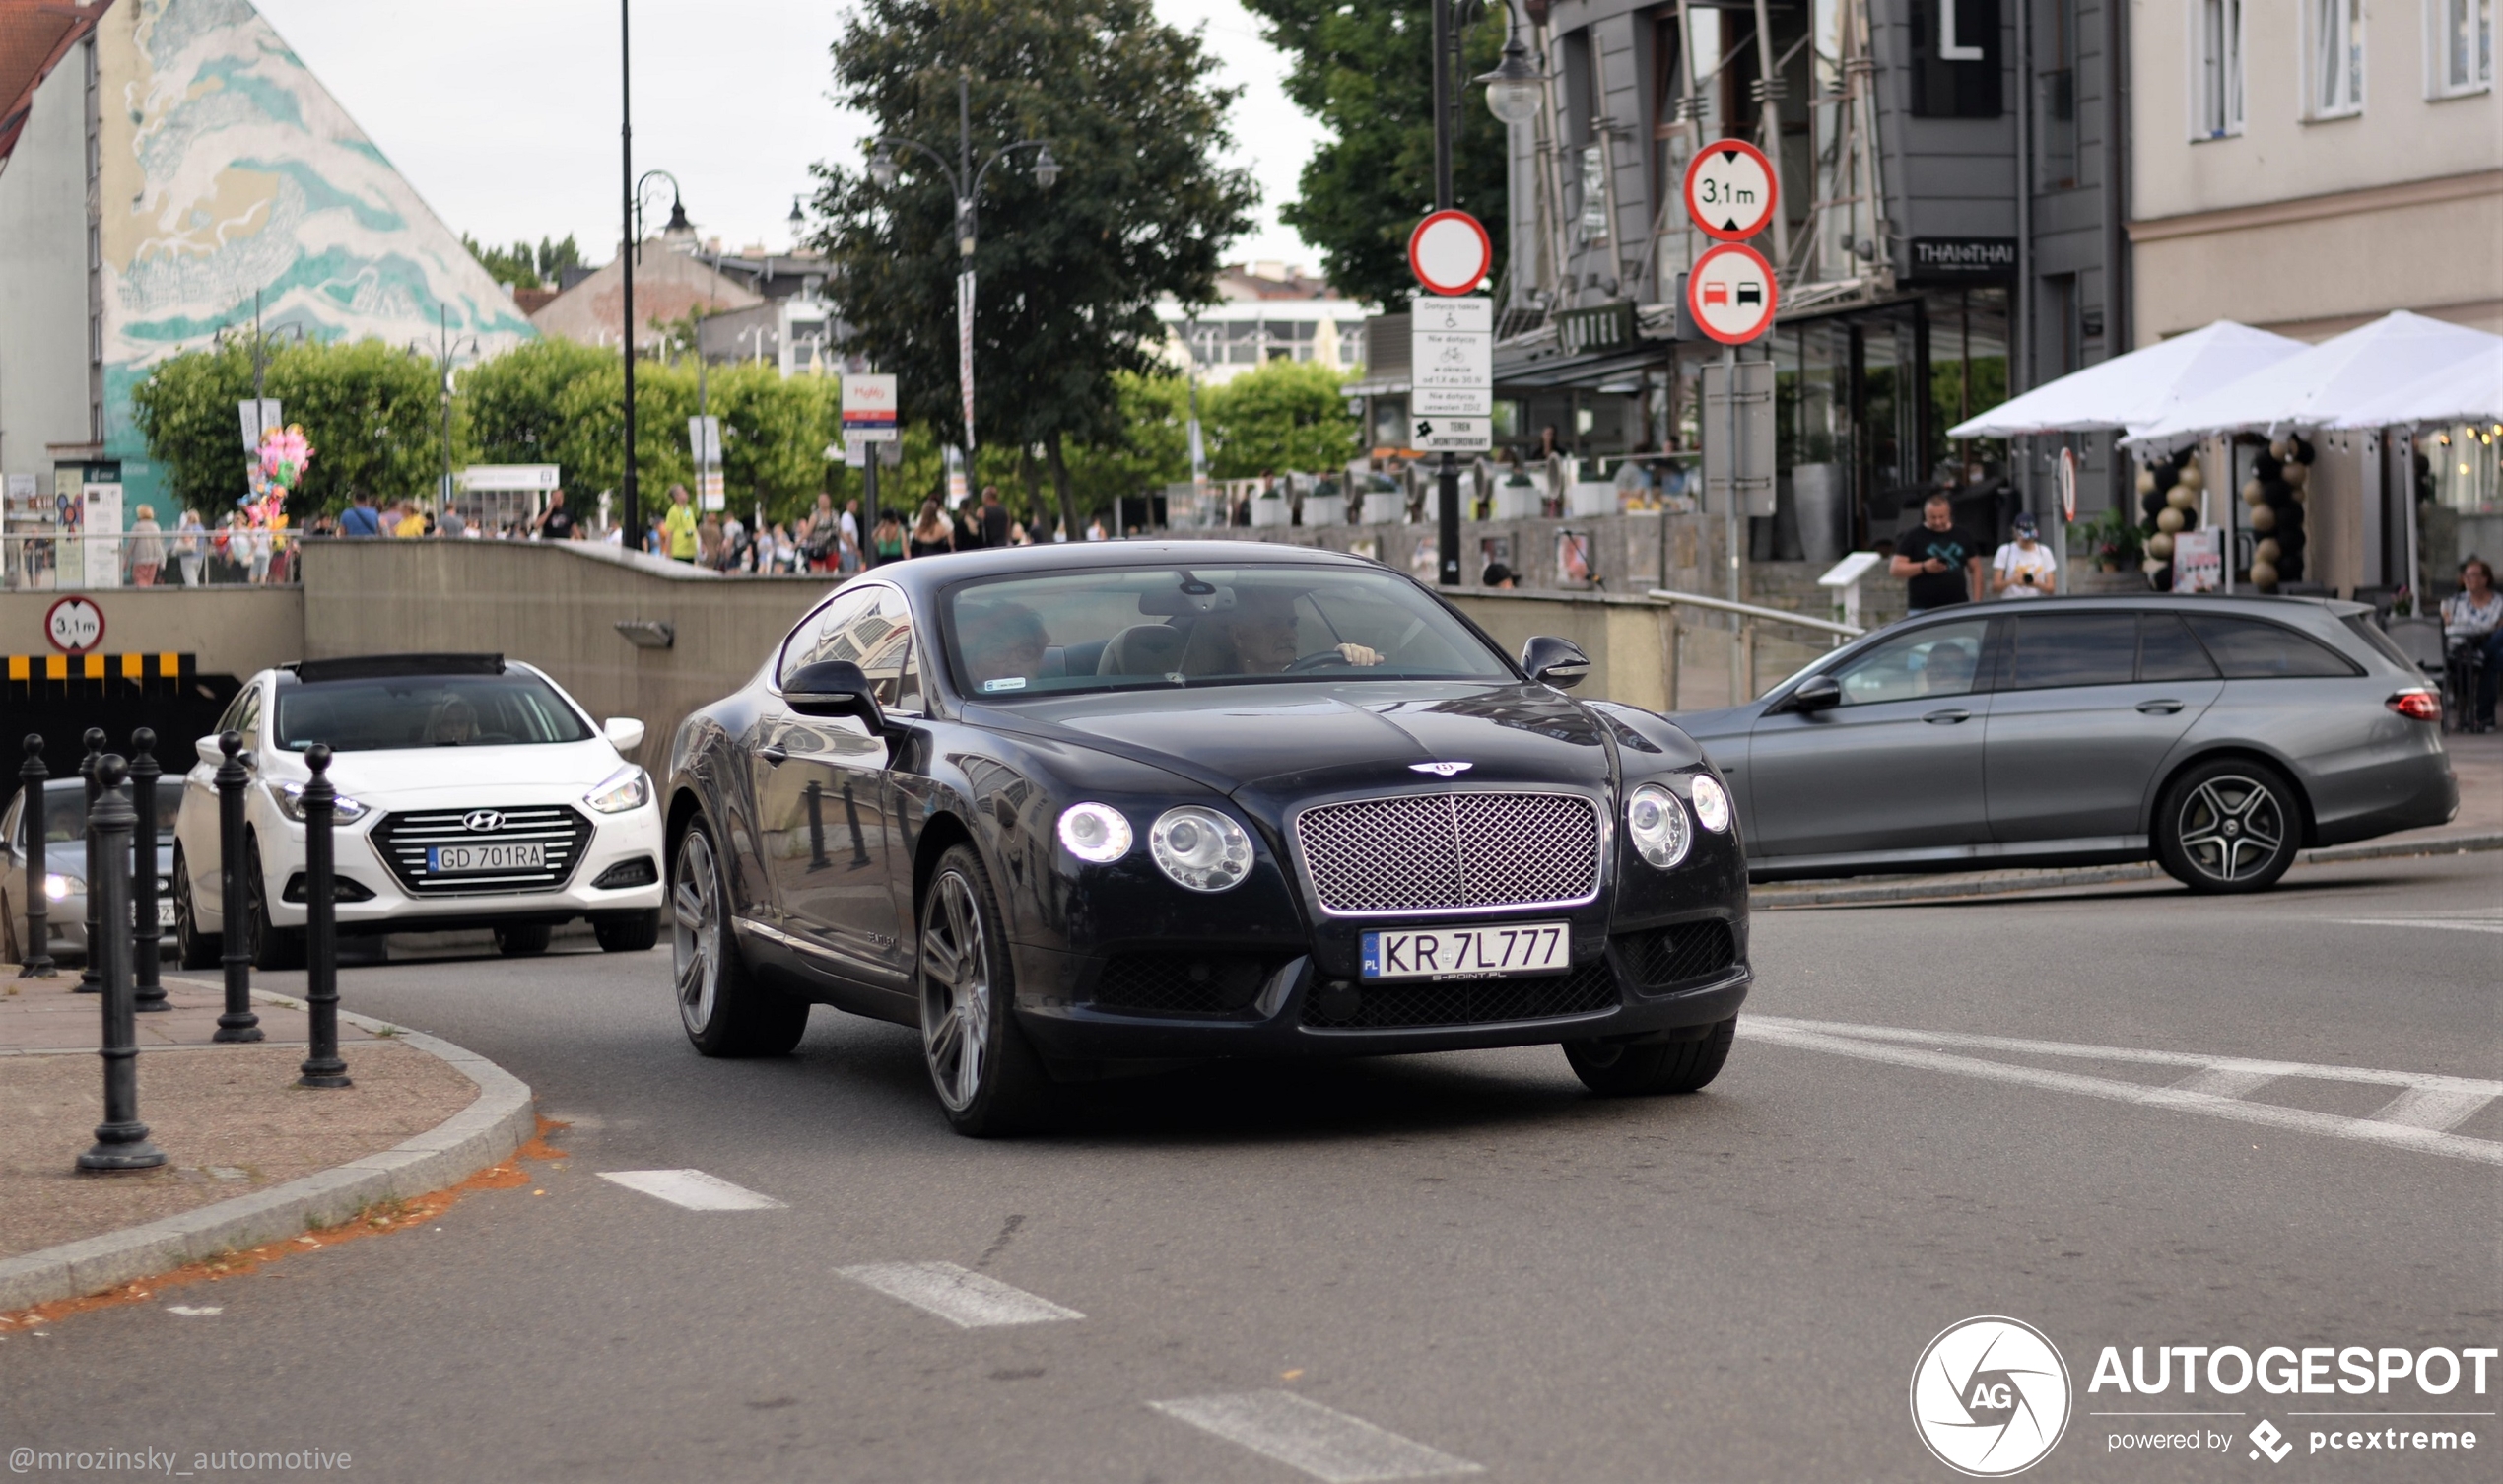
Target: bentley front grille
[[402, 840], [1445, 852]]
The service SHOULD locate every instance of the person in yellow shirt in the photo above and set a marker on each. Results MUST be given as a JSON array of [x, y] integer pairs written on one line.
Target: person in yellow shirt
[[680, 525], [411, 522]]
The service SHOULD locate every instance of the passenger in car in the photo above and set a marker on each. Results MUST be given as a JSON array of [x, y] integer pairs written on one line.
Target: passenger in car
[[1003, 642]]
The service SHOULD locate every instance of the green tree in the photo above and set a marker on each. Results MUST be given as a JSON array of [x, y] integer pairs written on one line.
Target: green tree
[[1367, 72], [524, 266], [1069, 277], [1154, 449], [371, 413], [1285, 415]]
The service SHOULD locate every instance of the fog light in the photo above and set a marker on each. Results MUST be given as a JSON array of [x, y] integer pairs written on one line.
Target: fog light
[[1200, 849], [1096, 833]]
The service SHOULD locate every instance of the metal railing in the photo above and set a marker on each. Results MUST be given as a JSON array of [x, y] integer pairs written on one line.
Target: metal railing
[[1751, 610], [72, 561]]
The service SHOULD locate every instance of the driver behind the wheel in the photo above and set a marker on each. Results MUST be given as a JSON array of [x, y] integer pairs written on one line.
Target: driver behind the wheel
[[1256, 636], [453, 724], [1003, 645]]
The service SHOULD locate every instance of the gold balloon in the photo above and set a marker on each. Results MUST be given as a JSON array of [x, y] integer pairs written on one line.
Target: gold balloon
[[2266, 552], [2182, 497], [2146, 481], [2191, 479], [2264, 575], [2170, 519], [2280, 450], [2298, 475], [2264, 518], [2161, 545]]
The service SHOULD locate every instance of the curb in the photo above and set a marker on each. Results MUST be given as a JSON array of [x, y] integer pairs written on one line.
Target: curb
[[2002, 883], [498, 1122]]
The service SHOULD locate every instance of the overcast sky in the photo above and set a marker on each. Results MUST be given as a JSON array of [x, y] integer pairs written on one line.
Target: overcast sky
[[503, 114]]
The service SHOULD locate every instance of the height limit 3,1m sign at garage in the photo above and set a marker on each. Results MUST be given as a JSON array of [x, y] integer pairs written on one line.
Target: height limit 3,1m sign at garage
[[1731, 194]]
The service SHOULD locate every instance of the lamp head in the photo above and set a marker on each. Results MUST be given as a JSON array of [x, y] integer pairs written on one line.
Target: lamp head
[[882, 167], [1513, 90], [798, 218], [1046, 169]]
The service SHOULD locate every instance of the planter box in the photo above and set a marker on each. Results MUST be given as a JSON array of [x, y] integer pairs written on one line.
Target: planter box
[[1584, 501], [1268, 512], [1518, 503], [1386, 509]]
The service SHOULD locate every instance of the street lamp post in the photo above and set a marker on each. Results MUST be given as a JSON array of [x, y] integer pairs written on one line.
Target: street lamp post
[[447, 348], [630, 530], [967, 182]]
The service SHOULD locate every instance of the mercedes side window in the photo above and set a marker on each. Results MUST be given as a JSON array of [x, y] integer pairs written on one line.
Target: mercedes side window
[[2166, 650], [827, 633], [2252, 650], [2073, 649], [1936, 659]]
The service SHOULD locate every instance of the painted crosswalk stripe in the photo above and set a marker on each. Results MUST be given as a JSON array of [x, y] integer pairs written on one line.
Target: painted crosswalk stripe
[[2420, 1117], [962, 1297], [693, 1189], [1303, 1433]]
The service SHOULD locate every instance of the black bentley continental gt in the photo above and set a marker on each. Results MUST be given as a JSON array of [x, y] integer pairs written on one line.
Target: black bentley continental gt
[[1078, 809]]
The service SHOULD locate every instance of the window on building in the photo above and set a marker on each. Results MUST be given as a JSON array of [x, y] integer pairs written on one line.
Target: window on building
[[1290, 339], [2056, 100], [2216, 86], [1351, 342], [2459, 46], [2332, 58], [1594, 194]]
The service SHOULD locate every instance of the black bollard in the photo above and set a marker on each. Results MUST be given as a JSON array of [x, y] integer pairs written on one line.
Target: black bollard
[[89, 980], [37, 947], [239, 1023], [121, 1140], [319, 800], [147, 993]]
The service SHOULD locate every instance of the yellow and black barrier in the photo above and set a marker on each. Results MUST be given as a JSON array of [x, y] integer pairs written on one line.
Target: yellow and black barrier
[[44, 677]]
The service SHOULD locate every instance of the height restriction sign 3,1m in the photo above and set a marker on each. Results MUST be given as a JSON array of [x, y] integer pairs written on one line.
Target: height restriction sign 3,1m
[[1731, 294], [1731, 190]]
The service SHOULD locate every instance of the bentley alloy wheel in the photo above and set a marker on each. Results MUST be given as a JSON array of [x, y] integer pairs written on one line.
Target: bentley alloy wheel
[[726, 1012], [988, 1081]]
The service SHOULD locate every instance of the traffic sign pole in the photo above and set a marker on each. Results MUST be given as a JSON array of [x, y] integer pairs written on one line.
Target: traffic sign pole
[[1450, 345]]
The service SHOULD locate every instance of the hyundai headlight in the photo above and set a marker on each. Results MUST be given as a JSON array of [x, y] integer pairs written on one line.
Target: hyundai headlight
[[1096, 833], [1200, 849], [1657, 824], [291, 802], [629, 787], [1712, 804]]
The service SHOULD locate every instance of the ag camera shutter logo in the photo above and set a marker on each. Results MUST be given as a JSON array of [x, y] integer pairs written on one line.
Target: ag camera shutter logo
[[1991, 1397]]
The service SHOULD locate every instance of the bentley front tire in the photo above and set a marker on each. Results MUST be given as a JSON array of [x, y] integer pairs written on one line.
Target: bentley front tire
[[987, 1078], [1616, 1071], [725, 1011]]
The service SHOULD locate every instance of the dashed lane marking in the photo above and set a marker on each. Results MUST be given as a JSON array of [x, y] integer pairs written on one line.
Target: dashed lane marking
[[2419, 1117], [2455, 924], [1303, 1433], [693, 1189], [964, 1298]]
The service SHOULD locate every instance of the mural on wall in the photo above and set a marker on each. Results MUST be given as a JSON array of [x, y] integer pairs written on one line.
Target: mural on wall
[[230, 170]]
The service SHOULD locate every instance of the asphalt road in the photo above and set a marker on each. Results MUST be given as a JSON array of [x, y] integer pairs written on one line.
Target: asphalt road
[[1465, 1251]]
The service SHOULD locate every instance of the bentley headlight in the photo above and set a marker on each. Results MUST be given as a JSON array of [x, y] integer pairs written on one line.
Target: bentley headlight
[[1200, 849], [291, 802], [629, 787], [1657, 822], [1097, 834], [1712, 804]]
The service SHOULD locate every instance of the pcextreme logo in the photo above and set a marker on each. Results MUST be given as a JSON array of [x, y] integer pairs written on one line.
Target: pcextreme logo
[[1991, 1397]]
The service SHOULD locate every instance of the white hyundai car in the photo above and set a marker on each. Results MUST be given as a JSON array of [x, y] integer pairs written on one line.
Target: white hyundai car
[[473, 792]]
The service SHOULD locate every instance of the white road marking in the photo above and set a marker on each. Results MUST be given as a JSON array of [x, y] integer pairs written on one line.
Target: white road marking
[[964, 1298], [2406, 1122], [191, 1311], [2224, 1081], [693, 1189], [1302, 1434], [2456, 925]]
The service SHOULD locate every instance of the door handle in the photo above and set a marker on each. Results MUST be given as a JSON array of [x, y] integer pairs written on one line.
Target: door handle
[[1947, 718], [773, 754], [2159, 707]]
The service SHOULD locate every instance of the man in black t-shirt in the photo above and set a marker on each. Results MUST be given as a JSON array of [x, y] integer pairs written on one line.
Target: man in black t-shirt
[[992, 520], [1944, 564], [558, 523]]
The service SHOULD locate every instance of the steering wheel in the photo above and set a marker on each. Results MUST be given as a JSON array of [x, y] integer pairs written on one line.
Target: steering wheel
[[1325, 657]]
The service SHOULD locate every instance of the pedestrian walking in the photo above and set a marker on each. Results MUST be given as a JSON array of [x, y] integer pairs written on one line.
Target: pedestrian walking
[[993, 518], [847, 557], [556, 522], [1944, 564], [361, 519], [931, 534], [190, 546], [680, 528], [889, 537], [146, 548], [2024, 568]]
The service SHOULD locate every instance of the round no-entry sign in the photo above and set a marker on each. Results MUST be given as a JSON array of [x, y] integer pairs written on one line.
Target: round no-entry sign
[[1731, 294], [2068, 485], [1730, 189], [1450, 252], [74, 625]]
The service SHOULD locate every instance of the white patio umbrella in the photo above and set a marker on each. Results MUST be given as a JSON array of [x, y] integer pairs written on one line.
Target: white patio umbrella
[[2139, 388], [2325, 383], [2469, 390]]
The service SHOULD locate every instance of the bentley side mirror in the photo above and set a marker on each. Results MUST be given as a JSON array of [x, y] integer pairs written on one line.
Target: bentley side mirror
[[1817, 693], [833, 688], [1554, 661]]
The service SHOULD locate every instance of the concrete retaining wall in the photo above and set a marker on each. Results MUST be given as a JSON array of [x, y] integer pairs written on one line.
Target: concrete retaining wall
[[235, 631]]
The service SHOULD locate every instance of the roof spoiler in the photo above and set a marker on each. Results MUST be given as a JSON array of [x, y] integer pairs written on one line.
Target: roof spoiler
[[380, 666]]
